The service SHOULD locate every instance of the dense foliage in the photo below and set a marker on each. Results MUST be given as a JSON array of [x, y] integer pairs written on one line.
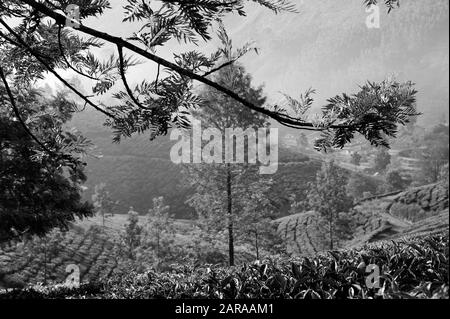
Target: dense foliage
[[359, 186], [103, 202], [39, 187], [412, 268], [327, 197], [44, 260]]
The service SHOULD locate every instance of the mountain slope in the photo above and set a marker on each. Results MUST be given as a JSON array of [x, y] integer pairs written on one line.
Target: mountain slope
[[419, 211], [137, 170]]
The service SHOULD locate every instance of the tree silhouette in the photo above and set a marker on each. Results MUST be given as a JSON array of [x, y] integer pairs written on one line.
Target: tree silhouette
[[39, 190]]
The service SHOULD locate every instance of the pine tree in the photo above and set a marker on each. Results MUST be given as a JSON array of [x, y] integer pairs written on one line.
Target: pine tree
[[382, 159], [103, 202], [434, 156], [131, 237], [329, 198], [356, 159], [303, 141], [159, 232], [222, 190]]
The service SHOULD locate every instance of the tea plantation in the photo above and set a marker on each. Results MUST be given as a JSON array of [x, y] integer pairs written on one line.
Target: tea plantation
[[409, 268]]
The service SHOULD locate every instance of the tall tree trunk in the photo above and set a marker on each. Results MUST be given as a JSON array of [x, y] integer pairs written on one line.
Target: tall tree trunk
[[256, 245], [157, 250], [230, 217], [331, 232], [45, 261], [436, 171]]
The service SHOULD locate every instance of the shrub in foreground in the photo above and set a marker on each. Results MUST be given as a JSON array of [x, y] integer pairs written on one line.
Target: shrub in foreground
[[413, 268]]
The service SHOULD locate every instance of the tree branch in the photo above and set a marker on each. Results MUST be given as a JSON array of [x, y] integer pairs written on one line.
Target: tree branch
[[281, 118], [50, 69], [220, 67], [157, 79], [124, 79], [61, 49], [19, 117]]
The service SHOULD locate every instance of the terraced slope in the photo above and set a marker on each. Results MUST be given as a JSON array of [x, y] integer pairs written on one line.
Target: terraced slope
[[431, 225], [46, 259], [413, 268], [419, 211], [420, 203], [89, 246], [301, 233], [416, 212]]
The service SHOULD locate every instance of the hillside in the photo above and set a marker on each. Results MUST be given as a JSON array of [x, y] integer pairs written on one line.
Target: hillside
[[325, 46], [135, 171], [419, 203], [94, 248], [419, 211], [259, 242], [138, 170], [46, 259]]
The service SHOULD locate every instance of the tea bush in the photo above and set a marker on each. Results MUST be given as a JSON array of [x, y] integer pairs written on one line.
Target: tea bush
[[410, 268]]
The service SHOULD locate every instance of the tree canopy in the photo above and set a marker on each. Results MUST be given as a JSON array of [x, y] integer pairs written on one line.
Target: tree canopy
[[156, 105], [328, 198], [39, 191]]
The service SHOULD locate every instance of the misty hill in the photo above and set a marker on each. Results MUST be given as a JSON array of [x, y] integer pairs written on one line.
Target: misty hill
[[137, 170]]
